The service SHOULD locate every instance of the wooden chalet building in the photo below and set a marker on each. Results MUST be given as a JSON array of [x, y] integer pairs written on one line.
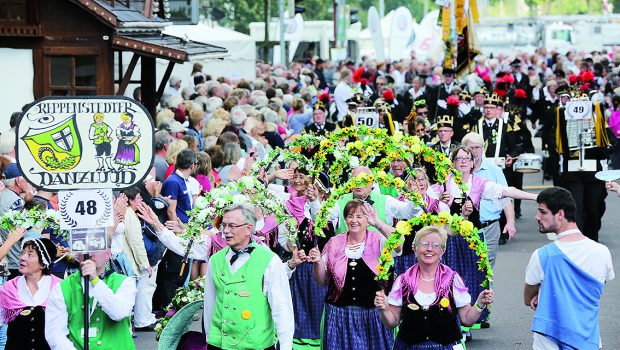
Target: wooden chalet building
[[76, 43]]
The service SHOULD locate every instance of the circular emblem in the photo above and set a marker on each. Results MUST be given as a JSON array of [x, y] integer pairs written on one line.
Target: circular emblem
[[246, 314], [444, 302]]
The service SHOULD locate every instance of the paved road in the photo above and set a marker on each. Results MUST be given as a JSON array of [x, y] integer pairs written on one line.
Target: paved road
[[511, 319]]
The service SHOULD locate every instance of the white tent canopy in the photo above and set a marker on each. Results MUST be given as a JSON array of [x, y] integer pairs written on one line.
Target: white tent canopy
[[241, 59]]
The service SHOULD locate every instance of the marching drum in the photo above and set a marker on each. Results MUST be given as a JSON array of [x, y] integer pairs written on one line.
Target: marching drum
[[528, 163]]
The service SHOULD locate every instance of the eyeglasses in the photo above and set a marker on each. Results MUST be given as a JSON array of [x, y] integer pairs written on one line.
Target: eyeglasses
[[434, 245], [421, 130], [462, 159], [223, 226]]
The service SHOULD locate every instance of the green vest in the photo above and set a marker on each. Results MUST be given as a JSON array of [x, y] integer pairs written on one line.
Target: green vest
[[378, 205], [102, 133], [389, 191], [242, 316], [111, 335]]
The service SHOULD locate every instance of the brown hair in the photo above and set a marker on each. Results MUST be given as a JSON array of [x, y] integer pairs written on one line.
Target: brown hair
[[230, 102], [352, 205], [227, 137], [204, 166], [217, 156], [464, 149]]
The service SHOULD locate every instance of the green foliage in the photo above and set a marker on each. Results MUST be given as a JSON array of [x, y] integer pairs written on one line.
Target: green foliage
[[242, 12]]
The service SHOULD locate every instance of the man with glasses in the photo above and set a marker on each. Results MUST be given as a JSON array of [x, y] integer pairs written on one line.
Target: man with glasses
[[247, 294]]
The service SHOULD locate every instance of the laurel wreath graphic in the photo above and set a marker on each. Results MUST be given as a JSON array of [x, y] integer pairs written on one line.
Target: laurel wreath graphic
[[107, 210], [63, 212]]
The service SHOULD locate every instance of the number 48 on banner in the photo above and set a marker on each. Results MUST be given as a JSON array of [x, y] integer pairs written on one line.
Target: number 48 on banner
[[86, 208]]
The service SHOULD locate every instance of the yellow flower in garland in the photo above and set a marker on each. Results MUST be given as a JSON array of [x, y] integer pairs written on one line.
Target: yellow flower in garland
[[467, 228], [429, 159], [397, 137], [387, 257], [415, 148], [442, 218], [403, 227], [325, 143], [380, 269], [399, 183], [393, 155]]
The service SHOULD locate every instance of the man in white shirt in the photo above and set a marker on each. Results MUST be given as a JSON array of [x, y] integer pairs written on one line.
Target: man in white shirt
[[564, 280], [174, 88], [113, 296], [343, 92], [247, 293]]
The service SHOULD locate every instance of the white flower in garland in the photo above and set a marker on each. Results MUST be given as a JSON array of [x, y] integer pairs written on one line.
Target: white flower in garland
[[201, 203], [354, 162], [220, 203], [248, 182], [239, 198]]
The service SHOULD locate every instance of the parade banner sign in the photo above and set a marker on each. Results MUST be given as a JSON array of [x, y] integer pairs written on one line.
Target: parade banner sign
[[86, 208], [66, 143], [367, 116], [578, 109]]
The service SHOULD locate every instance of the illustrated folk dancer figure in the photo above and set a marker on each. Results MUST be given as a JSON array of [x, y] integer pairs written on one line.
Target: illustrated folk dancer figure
[[101, 135], [128, 153]]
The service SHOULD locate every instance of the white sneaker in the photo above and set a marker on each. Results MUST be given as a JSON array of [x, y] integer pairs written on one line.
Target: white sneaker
[[552, 236]]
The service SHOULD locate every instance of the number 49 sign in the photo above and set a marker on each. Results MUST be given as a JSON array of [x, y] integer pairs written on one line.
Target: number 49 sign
[[578, 110], [85, 208]]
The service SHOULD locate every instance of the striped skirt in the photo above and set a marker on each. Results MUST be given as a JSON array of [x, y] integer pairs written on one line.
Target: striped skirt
[[308, 298], [404, 262], [355, 328]]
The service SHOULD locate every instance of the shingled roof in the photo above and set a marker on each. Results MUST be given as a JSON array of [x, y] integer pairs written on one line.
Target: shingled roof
[[136, 32]]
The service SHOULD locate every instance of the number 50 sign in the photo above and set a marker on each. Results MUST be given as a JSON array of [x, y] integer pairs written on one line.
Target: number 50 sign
[[85, 208]]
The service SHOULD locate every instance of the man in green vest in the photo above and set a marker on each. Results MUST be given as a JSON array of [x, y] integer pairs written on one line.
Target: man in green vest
[[101, 135], [112, 298], [247, 294], [387, 207]]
